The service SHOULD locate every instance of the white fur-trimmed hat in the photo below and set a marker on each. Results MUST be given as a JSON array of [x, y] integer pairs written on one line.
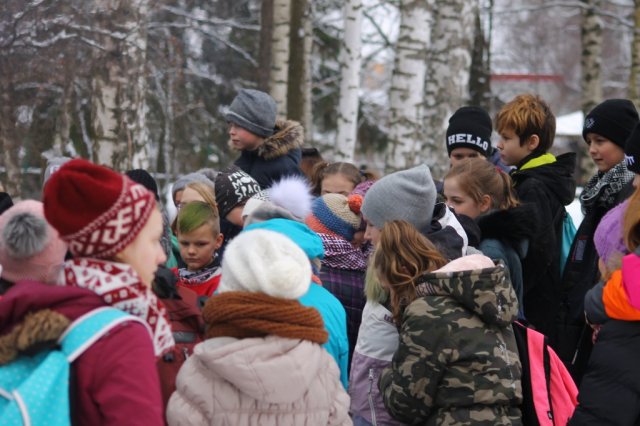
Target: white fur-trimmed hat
[[262, 261]]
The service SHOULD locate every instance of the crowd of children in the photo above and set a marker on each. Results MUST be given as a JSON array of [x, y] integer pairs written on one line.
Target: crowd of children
[[288, 290]]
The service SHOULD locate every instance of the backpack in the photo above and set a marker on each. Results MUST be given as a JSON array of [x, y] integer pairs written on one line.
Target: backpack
[[568, 234], [34, 390], [549, 395]]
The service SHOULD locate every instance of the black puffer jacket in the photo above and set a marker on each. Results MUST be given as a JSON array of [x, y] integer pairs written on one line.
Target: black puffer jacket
[[277, 157], [547, 188]]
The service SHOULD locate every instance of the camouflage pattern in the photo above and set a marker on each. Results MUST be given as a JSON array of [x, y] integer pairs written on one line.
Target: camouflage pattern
[[457, 363]]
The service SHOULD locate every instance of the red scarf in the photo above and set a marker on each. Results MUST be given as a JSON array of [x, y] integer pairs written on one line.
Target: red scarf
[[119, 286]]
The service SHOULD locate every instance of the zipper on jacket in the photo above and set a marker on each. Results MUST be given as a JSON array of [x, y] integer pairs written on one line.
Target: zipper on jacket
[[371, 406]]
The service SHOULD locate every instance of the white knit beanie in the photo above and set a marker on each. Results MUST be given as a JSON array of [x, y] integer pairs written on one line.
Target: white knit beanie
[[261, 261]]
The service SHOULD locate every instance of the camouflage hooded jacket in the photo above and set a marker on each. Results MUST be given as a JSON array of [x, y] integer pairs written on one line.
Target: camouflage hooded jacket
[[457, 362]]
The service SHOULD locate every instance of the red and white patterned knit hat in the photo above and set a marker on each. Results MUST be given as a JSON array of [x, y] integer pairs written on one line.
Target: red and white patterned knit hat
[[97, 211]]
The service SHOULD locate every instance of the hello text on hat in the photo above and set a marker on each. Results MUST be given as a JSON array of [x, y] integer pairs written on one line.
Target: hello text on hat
[[470, 127]]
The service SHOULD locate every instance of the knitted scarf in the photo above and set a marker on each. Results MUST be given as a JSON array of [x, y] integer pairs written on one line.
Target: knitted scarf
[[603, 188], [119, 286], [200, 276], [341, 254], [242, 314]]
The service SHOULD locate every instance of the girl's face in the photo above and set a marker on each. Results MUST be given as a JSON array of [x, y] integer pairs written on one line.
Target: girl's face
[[145, 253], [372, 233], [189, 195], [336, 184], [603, 152], [460, 201], [198, 246]]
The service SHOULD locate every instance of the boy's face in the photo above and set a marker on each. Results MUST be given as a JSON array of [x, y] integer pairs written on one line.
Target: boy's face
[[510, 150], [198, 246], [460, 154], [603, 152], [242, 139]]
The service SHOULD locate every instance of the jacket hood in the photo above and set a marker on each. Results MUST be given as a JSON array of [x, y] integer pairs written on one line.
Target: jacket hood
[[446, 233], [34, 314], [557, 177], [485, 291], [511, 226], [256, 366], [288, 135]]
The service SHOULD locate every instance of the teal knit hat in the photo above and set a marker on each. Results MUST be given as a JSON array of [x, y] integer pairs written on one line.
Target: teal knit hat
[[301, 234]]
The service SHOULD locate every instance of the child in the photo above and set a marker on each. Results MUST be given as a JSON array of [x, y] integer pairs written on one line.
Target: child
[[269, 148], [526, 127], [408, 195], [457, 360], [606, 129], [113, 228], [610, 387], [262, 362], [336, 219], [469, 135], [199, 237], [337, 178], [479, 190]]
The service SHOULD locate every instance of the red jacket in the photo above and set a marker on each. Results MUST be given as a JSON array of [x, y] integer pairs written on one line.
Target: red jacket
[[116, 378]]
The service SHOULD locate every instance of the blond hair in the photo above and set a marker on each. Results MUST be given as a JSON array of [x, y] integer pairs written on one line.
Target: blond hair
[[478, 177]]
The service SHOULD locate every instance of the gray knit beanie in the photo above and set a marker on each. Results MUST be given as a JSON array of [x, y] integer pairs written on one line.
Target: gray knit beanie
[[183, 181], [254, 111], [408, 195]]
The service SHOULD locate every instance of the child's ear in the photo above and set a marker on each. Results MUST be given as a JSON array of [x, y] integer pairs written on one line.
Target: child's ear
[[532, 142], [485, 203], [219, 241]]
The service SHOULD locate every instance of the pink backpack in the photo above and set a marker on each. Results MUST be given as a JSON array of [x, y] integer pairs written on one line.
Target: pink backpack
[[549, 394]]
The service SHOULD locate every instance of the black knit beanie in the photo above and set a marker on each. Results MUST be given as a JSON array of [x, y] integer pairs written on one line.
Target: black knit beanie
[[632, 151], [143, 177], [254, 111], [470, 127], [233, 187], [613, 119]]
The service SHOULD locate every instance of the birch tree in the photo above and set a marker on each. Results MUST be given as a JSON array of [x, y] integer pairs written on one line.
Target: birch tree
[[634, 74], [447, 80], [119, 87], [279, 76], [350, 63], [406, 101], [590, 61]]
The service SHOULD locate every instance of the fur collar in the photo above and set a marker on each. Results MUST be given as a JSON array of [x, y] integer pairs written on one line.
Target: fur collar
[[512, 225], [289, 135], [37, 330]]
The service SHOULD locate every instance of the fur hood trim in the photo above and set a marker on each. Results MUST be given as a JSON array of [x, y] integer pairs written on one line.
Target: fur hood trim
[[37, 330], [288, 135], [512, 225]]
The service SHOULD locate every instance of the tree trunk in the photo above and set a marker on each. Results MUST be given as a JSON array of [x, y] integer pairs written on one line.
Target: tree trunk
[[266, 35], [119, 91], [406, 94], [634, 75], [447, 83], [350, 62], [279, 77], [480, 78], [8, 137], [307, 114], [296, 92], [591, 37]]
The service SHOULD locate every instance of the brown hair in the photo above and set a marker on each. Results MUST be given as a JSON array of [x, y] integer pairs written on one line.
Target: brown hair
[[323, 169], [479, 177], [528, 115], [631, 230], [402, 255]]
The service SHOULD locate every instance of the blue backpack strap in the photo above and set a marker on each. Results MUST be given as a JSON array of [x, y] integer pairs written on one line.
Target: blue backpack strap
[[90, 327]]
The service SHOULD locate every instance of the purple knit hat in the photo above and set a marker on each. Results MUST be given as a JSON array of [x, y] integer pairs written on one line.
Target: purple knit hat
[[608, 237]]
